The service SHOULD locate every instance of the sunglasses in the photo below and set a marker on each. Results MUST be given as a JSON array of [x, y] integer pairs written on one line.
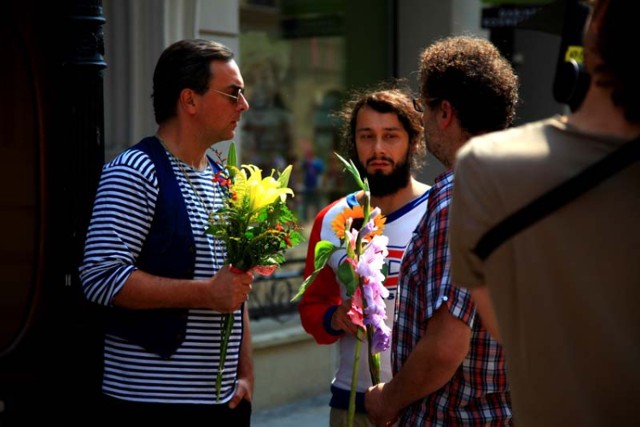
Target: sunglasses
[[239, 92]]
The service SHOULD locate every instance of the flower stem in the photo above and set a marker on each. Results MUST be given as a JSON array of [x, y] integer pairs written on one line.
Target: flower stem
[[227, 325], [354, 380], [374, 358]]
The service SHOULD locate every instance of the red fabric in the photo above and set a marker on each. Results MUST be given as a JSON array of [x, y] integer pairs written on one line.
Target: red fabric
[[322, 294]]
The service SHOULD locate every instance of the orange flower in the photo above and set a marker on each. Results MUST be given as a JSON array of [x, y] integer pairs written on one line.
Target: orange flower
[[339, 223]]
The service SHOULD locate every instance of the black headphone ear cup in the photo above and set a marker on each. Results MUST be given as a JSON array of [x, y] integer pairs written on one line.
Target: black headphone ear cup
[[570, 84], [579, 89], [571, 80]]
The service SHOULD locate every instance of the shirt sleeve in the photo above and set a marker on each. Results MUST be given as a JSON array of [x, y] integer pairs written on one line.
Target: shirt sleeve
[[322, 296], [440, 289], [122, 214], [469, 221]]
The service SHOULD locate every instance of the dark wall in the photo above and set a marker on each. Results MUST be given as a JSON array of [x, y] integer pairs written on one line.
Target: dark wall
[[370, 26], [51, 144]]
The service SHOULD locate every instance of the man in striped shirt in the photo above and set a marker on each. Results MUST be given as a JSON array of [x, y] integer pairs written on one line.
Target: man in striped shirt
[[447, 370], [161, 280]]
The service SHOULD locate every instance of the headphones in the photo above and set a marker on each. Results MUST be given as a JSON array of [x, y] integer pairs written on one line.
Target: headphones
[[571, 81]]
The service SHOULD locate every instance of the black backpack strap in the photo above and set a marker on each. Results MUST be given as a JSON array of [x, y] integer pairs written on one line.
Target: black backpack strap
[[557, 197]]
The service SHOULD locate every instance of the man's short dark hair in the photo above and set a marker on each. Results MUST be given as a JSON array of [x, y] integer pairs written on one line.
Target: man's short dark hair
[[184, 65]]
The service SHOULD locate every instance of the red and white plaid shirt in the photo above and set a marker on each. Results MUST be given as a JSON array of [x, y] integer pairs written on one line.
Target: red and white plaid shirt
[[477, 394]]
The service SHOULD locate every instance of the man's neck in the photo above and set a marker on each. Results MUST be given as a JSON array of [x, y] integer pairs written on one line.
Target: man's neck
[[183, 146], [392, 202], [597, 115]]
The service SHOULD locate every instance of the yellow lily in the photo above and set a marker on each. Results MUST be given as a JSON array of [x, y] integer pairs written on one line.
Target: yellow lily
[[259, 191]]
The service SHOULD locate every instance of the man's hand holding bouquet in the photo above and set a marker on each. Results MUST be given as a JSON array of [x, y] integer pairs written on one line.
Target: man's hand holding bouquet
[[362, 272], [255, 224]]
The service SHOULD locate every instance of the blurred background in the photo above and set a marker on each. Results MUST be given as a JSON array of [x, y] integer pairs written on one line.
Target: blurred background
[[76, 80]]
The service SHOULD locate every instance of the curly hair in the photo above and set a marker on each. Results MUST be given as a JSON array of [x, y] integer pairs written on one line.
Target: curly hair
[[184, 65], [384, 99], [475, 78]]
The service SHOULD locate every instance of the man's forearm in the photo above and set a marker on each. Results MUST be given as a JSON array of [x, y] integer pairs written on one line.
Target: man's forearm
[[433, 361], [143, 290]]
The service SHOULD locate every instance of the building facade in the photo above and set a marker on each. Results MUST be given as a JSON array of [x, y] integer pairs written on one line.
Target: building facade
[[77, 91]]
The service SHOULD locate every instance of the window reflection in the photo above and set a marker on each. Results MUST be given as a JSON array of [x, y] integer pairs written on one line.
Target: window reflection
[[294, 72]]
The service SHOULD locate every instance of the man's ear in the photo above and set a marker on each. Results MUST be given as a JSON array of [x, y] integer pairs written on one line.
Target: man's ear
[[187, 100], [445, 114]]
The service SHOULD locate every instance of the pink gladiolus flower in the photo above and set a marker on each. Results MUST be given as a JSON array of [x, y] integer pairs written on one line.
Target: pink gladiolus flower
[[372, 259], [355, 312], [370, 226], [374, 294], [369, 267], [381, 338], [350, 239], [363, 275]]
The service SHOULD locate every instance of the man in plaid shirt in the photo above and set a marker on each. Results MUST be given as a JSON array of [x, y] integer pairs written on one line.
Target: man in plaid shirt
[[447, 368]]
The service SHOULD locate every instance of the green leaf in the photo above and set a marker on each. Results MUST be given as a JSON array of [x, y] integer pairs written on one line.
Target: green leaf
[[351, 167], [283, 179], [347, 276], [232, 157], [385, 270], [322, 252], [305, 285], [296, 238]]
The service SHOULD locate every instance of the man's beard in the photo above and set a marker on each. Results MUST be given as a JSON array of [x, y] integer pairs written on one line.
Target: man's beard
[[382, 184]]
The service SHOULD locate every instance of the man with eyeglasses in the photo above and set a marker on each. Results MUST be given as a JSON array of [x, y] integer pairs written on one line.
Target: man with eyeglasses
[[160, 281], [447, 369]]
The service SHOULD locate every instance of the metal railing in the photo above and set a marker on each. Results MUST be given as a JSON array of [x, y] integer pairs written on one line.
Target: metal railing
[[271, 296]]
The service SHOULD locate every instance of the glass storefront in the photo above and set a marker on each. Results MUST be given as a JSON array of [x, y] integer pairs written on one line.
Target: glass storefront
[[298, 59], [295, 57]]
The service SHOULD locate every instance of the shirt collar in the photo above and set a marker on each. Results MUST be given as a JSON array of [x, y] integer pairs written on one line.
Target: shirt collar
[[445, 177]]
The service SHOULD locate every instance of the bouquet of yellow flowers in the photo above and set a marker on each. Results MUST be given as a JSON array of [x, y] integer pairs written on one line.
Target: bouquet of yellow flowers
[[255, 224], [363, 272]]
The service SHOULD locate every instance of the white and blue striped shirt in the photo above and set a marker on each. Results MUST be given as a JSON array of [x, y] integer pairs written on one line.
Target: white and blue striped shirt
[[122, 216]]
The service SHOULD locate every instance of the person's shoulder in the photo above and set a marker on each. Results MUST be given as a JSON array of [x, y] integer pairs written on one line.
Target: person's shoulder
[[519, 153], [524, 140], [325, 217], [341, 203], [130, 155], [133, 161], [329, 211], [420, 188], [418, 191]]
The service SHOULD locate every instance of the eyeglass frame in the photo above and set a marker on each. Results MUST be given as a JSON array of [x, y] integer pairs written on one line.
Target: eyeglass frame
[[236, 98], [419, 106]]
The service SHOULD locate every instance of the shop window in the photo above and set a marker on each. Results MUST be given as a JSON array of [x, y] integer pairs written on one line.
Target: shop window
[[294, 60]]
